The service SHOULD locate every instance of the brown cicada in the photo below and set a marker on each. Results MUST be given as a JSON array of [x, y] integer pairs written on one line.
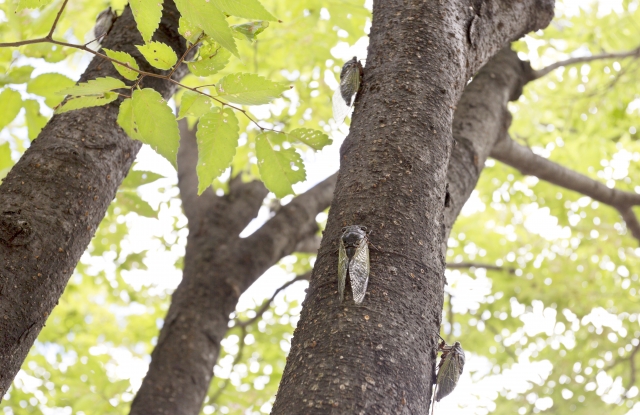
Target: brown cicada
[[353, 260], [449, 368], [350, 79]]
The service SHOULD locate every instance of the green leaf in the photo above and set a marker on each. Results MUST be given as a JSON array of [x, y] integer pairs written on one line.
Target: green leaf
[[18, 75], [47, 51], [158, 55], [279, 168], [47, 85], [315, 139], [217, 142], [124, 57], [86, 102], [188, 30], [156, 124], [212, 58], [249, 9], [35, 120], [249, 89], [125, 120], [137, 178], [147, 14], [10, 104], [194, 105], [5, 160], [133, 202], [96, 86], [250, 30], [204, 14], [32, 4]]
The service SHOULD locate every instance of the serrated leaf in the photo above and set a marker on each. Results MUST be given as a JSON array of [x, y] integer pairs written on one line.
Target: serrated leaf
[[35, 120], [18, 75], [204, 14], [147, 14], [158, 55], [47, 51], [250, 30], [212, 58], [96, 86], [32, 4], [315, 139], [47, 85], [86, 102], [137, 178], [124, 57], [249, 9], [10, 104], [217, 142], [125, 120], [188, 30], [5, 160], [155, 123], [194, 105], [249, 89], [279, 168], [134, 203]]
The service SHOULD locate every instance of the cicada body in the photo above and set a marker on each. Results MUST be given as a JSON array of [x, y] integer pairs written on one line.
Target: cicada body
[[104, 22], [450, 368], [353, 260], [350, 79]]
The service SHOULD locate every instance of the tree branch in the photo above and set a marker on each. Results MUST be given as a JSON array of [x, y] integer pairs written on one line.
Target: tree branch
[[635, 53], [523, 159], [54, 198], [464, 265], [265, 306]]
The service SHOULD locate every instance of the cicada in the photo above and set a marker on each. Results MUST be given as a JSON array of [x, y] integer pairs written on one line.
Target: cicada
[[353, 260], [449, 368], [104, 22], [350, 78]]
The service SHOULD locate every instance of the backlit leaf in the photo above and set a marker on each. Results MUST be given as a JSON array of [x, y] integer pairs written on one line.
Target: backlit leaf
[[217, 141], [279, 168], [158, 55], [124, 57], [249, 89]]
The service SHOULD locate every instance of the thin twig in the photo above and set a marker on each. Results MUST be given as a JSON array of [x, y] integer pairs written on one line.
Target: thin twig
[[55, 22], [459, 265], [265, 306], [184, 55], [49, 39], [583, 59]]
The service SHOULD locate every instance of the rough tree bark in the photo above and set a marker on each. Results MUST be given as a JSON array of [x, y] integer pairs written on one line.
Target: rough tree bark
[[218, 267], [54, 198], [380, 357]]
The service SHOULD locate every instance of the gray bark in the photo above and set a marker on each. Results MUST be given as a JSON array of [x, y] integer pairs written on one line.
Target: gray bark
[[380, 357], [53, 199], [218, 267]]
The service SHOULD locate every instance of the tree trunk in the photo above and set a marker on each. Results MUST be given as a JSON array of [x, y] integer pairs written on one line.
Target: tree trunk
[[380, 357], [54, 198], [218, 267]]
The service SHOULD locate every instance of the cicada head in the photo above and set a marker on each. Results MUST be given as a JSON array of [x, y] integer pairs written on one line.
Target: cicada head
[[352, 237]]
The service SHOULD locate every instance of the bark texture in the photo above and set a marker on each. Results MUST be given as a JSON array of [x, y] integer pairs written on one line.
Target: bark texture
[[218, 267], [380, 357], [54, 198]]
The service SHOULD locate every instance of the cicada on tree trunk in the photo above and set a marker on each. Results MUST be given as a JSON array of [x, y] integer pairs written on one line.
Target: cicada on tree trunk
[[353, 260], [450, 368], [350, 80]]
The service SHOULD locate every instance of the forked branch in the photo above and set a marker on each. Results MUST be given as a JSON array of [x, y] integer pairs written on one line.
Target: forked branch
[[584, 59], [523, 159]]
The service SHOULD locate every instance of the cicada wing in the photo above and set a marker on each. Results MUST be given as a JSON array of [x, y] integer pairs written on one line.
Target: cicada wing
[[449, 371], [343, 266], [349, 81], [340, 107], [359, 271]]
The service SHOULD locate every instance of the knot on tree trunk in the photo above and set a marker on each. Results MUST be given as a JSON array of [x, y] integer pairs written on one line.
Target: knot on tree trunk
[[15, 229]]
